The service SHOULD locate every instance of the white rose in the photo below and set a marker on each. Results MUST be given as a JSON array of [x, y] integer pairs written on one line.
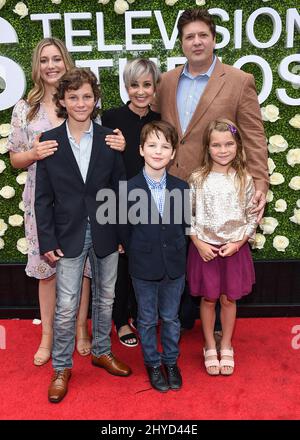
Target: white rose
[[271, 165], [268, 225], [293, 157], [277, 144], [103, 2], [296, 217], [21, 178], [3, 145], [22, 245], [2, 3], [15, 220], [1, 240], [280, 205], [2, 166], [298, 203], [280, 243], [3, 227], [295, 121], [121, 6], [7, 192], [4, 130], [130, 1], [269, 196], [270, 113], [21, 9], [171, 2], [56, 2], [295, 183], [259, 241], [200, 2], [21, 206], [276, 179]]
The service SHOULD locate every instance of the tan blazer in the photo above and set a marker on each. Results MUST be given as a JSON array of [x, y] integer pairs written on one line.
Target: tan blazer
[[230, 93]]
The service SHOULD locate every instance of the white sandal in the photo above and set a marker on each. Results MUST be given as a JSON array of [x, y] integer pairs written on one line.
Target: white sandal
[[211, 362], [227, 362]]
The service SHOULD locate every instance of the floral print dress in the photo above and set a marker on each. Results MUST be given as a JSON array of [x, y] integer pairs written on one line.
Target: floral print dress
[[21, 139]]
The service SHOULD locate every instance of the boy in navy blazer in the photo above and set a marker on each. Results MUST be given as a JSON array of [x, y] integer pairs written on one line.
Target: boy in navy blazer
[[65, 204], [156, 248]]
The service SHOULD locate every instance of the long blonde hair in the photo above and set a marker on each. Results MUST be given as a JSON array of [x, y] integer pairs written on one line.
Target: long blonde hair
[[198, 177], [37, 93]]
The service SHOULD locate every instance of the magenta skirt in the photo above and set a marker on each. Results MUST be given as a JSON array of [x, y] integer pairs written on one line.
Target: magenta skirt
[[232, 276]]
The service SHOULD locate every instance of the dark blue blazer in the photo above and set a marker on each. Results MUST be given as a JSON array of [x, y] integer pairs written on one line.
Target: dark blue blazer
[[155, 250], [64, 202]]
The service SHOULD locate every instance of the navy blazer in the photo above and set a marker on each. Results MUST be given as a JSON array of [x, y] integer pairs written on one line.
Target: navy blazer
[[155, 250], [64, 202]]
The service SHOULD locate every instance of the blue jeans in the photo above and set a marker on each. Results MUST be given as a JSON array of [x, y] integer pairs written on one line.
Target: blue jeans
[[159, 299], [69, 272]]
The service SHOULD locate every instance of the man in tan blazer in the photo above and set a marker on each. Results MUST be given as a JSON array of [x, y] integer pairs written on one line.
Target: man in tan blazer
[[191, 96]]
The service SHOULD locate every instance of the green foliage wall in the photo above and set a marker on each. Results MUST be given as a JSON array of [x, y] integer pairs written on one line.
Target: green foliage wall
[[30, 32]]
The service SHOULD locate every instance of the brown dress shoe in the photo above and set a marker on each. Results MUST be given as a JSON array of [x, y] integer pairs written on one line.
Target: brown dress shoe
[[111, 364], [59, 385]]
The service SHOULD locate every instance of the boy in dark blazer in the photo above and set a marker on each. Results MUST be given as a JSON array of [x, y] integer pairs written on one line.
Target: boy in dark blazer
[[156, 248], [65, 204]]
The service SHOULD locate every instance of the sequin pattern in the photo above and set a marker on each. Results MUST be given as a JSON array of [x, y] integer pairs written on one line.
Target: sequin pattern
[[218, 214]]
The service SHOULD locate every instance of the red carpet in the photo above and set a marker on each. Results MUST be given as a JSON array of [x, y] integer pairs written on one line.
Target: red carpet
[[265, 385]]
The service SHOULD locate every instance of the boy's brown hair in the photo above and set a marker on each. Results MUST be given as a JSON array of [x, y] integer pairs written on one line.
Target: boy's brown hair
[[157, 127], [73, 80], [196, 14]]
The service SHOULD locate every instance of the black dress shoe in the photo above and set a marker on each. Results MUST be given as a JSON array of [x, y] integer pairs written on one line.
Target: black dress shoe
[[174, 377], [158, 379]]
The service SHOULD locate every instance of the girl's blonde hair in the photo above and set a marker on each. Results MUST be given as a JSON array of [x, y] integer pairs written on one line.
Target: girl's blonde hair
[[198, 177], [36, 94]]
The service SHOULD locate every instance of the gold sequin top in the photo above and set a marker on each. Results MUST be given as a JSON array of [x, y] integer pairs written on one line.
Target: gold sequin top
[[218, 214]]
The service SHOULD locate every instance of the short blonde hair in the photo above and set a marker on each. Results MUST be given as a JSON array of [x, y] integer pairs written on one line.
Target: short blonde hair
[[138, 67]]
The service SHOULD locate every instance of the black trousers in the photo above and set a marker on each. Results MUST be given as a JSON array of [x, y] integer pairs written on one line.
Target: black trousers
[[125, 305]]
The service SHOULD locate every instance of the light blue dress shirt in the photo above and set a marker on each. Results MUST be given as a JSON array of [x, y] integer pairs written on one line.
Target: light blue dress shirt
[[157, 190], [82, 151], [189, 91]]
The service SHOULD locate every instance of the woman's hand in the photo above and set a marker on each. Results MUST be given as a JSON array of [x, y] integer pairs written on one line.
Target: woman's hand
[[41, 150], [116, 141], [121, 249]]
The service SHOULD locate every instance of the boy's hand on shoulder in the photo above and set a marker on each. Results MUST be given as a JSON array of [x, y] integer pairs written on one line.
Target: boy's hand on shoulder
[[207, 251], [54, 256]]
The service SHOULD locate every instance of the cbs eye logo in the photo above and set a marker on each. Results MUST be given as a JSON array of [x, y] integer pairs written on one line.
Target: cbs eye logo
[[296, 339]]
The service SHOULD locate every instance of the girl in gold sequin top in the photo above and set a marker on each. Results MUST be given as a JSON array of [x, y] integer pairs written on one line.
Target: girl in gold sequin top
[[220, 265]]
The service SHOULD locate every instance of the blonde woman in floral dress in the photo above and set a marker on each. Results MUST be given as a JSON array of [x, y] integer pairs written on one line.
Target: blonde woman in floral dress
[[30, 118]]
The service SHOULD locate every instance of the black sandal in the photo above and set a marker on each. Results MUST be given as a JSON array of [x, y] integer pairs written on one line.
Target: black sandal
[[125, 340]]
